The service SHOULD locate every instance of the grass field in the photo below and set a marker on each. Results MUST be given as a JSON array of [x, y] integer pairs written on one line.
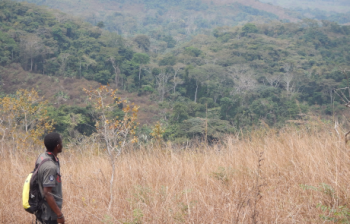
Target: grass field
[[293, 176]]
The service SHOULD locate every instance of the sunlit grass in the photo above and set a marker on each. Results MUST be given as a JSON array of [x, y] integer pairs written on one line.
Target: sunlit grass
[[301, 171]]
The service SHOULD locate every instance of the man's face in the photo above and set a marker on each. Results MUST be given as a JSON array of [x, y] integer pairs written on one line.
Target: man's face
[[59, 146]]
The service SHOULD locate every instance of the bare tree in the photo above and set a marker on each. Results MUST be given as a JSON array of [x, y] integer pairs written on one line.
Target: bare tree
[[116, 70], [176, 79], [116, 133], [162, 81], [195, 93], [243, 78], [245, 83], [31, 45], [273, 80], [63, 58], [288, 77]]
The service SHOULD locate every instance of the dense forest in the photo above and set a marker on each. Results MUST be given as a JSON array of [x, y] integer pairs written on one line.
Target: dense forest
[[160, 19], [230, 79]]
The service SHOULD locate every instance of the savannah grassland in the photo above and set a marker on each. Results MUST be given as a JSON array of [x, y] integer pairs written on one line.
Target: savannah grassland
[[303, 177]]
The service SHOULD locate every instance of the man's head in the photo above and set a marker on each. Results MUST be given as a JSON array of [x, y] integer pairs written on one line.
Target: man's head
[[53, 142]]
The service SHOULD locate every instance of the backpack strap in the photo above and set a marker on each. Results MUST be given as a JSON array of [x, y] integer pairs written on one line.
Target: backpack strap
[[37, 169], [42, 162]]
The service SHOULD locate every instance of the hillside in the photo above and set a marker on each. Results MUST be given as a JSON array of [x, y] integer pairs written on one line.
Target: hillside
[[179, 19], [340, 6], [61, 57], [259, 5], [230, 79], [336, 11], [260, 74], [67, 92]]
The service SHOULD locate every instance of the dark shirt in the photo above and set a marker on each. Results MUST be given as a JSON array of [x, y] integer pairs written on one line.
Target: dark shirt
[[49, 176]]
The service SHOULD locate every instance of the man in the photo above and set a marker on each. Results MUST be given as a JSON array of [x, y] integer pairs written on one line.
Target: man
[[49, 179]]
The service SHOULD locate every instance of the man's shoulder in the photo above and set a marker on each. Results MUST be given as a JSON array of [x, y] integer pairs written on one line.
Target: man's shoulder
[[46, 165]]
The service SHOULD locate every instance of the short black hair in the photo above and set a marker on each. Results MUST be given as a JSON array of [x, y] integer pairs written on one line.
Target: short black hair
[[51, 140]]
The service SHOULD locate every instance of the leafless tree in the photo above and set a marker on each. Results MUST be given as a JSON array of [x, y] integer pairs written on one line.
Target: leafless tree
[[176, 79], [245, 83], [63, 58], [243, 79], [30, 46], [344, 95], [162, 81], [273, 80], [116, 70], [288, 77]]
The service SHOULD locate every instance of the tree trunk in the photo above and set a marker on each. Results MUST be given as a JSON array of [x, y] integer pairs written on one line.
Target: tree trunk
[[140, 69], [195, 94], [174, 82], [116, 71], [111, 184], [25, 121], [162, 94]]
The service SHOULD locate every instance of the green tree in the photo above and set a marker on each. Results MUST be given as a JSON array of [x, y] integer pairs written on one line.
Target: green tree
[[249, 28], [194, 52], [103, 77], [143, 42], [179, 113], [100, 24]]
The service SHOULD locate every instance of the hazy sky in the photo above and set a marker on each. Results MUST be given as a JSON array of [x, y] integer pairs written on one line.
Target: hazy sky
[[327, 5]]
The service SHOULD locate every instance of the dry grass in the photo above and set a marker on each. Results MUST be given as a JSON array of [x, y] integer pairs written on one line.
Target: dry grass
[[218, 185]]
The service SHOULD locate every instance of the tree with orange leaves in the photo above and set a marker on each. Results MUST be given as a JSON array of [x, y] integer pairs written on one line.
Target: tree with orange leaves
[[116, 132], [23, 118]]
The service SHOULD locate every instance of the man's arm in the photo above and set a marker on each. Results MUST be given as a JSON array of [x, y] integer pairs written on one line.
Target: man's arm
[[52, 203]]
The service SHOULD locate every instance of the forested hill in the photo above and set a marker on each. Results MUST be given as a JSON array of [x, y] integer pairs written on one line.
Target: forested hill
[[59, 55], [332, 10], [45, 41], [339, 6], [180, 19], [234, 77]]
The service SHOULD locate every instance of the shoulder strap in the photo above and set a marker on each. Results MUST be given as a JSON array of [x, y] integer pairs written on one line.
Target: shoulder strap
[[41, 163], [35, 173]]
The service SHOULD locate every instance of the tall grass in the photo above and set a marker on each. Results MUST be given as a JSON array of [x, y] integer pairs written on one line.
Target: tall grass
[[291, 176]]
